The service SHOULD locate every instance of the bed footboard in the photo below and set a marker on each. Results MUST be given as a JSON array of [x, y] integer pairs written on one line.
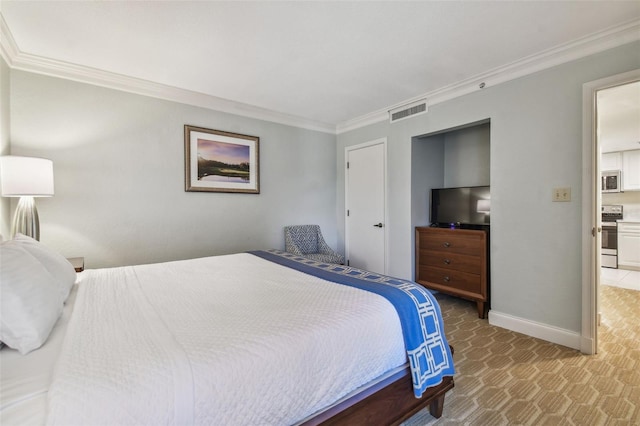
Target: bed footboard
[[389, 403]]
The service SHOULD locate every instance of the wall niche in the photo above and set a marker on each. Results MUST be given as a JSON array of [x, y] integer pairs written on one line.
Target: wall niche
[[449, 158]]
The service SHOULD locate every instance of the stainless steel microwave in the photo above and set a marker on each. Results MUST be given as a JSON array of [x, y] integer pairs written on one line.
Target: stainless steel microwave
[[612, 181]]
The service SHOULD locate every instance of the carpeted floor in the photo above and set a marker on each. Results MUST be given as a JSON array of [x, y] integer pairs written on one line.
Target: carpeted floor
[[506, 378]]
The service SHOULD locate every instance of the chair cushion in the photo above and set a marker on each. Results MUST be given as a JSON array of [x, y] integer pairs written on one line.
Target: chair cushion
[[305, 238]]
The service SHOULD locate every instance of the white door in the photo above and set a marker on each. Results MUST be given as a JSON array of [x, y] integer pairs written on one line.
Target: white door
[[365, 204]]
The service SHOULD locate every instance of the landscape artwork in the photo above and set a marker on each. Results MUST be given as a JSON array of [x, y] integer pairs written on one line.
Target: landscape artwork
[[218, 161]]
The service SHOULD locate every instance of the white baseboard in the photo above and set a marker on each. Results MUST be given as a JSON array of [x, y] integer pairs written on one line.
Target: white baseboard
[[571, 339], [588, 346]]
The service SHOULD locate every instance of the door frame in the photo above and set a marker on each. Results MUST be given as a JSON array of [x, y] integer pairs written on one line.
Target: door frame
[[591, 202], [383, 142]]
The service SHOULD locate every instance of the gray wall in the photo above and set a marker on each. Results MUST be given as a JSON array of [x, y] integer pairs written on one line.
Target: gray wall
[[5, 203], [427, 171], [536, 144], [467, 157], [119, 176]]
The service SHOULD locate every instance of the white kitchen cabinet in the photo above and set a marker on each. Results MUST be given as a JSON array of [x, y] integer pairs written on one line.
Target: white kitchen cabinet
[[631, 170], [611, 161], [629, 245]]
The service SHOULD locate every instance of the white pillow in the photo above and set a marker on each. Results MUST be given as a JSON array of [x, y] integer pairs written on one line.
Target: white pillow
[[30, 302], [58, 266]]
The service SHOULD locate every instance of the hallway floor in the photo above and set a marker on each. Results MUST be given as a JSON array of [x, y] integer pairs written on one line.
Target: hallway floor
[[620, 278]]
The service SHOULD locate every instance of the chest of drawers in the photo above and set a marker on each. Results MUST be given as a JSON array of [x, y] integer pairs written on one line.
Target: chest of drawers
[[454, 261]]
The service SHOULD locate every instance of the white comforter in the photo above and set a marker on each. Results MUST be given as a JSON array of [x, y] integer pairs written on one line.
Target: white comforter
[[227, 340]]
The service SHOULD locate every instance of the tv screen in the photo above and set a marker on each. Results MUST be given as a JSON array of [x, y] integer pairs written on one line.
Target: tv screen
[[460, 206]]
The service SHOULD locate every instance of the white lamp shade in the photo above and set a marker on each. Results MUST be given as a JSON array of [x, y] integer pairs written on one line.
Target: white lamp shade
[[26, 176], [484, 206]]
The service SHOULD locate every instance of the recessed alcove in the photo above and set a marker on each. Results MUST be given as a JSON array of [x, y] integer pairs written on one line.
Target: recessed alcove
[[449, 158]]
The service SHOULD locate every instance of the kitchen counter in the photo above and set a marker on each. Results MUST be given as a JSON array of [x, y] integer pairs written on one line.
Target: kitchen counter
[[629, 244]]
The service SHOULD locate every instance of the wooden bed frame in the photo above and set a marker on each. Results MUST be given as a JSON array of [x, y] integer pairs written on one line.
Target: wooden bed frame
[[389, 402]]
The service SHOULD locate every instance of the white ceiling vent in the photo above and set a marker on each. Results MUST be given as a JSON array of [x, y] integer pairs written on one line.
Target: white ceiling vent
[[406, 111]]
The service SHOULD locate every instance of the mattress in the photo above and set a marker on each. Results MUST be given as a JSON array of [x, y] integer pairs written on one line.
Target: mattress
[[222, 340]]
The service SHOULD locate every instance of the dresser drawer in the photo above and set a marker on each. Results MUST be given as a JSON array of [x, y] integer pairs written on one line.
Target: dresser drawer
[[449, 280], [455, 261], [453, 242]]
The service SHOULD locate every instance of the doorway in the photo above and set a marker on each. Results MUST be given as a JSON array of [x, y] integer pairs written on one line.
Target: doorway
[[594, 145], [365, 193]]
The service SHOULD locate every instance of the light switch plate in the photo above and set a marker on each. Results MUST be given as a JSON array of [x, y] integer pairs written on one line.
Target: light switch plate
[[562, 194]]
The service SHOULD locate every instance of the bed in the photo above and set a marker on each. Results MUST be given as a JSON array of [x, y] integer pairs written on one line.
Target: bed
[[267, 338]]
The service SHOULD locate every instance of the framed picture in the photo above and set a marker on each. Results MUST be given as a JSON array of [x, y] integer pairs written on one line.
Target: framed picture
[[217, 161]]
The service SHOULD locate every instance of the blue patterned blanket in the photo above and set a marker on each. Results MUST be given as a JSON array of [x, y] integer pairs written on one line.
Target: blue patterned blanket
[[422, 326]]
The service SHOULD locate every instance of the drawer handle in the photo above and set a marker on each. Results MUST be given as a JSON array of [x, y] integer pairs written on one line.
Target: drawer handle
[[447, 261], [446, 244], [447, 279]]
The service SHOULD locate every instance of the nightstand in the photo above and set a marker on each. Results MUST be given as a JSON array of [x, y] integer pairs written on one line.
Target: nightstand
[[77, 262]]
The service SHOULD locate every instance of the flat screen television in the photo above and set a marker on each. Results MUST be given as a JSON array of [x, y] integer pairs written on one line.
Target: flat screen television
[[461, 207]]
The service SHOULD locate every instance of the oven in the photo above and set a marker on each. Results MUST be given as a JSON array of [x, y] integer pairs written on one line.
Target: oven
[[609, 244], [609, 253]]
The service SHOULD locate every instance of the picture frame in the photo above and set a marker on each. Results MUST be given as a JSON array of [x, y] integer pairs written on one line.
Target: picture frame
[[219, 161]]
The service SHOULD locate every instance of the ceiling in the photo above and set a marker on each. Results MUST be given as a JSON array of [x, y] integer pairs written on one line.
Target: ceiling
[[326, 61]]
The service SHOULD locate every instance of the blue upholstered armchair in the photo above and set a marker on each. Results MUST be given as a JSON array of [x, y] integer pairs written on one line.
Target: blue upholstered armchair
[[307, 241]]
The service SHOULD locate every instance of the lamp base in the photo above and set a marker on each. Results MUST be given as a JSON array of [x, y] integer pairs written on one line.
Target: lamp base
[[25, 219]]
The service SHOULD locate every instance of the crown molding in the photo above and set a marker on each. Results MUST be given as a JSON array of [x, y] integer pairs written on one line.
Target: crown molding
[[8, 47], [582, 47], [16, 59]]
